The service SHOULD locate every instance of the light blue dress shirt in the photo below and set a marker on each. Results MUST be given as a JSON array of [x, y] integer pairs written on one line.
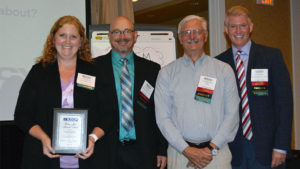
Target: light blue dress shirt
[[181, 118], [244, 55], [117, 66]]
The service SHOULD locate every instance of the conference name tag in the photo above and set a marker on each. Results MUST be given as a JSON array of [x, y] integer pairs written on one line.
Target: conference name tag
[[146, 91], [86, 81], [259, 82], [205, 89]]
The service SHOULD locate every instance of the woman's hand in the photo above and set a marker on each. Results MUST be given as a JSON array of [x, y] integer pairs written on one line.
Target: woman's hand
[[37, 132], [89, 151], [47, 148]]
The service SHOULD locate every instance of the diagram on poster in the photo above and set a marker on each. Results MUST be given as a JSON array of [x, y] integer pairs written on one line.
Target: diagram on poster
[[157, 46]]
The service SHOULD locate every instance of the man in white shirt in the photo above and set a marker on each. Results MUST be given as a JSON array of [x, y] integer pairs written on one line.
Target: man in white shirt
[[196, 103]]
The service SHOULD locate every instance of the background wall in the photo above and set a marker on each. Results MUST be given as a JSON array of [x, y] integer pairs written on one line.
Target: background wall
[[172, 13], [295, 15]]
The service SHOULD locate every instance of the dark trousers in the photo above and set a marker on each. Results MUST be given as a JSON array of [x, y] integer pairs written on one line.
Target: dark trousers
[[249, 159], [128, 157]]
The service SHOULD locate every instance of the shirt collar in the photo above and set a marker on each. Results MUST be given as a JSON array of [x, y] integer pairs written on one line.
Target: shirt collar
[[116, 58], [245, 49], [189, 61]]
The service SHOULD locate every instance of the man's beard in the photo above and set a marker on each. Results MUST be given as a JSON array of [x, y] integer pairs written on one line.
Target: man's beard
[[124, 51]]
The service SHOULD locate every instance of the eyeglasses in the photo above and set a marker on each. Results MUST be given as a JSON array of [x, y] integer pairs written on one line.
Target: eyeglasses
[[189, 32], [118, 32]]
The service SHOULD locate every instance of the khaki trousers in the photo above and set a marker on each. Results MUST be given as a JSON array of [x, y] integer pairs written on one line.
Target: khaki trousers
[[222, 160]]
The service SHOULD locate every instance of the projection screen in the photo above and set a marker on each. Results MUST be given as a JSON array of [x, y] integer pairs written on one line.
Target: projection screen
[[24, 26]]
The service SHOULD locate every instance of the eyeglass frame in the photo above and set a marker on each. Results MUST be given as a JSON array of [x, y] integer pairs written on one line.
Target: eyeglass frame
[[189, 32], [119, 32]]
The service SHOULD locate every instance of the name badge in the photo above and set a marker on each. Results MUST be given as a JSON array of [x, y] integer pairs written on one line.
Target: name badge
[[259, 82], [205, 89], [86, 81], [146, 91]]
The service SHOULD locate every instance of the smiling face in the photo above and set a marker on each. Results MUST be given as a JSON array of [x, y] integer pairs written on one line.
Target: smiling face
[[193, 36], [239, 29], [122, 36], [67, 41]]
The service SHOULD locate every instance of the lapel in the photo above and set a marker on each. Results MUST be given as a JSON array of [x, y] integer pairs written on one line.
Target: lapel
[[52, 78], [251, 63], [138, 76], [77, 90], [107, 75], [230, 60]]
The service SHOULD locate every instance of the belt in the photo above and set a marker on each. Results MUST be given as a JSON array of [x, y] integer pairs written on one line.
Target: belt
[[201, 145], [127, 142]]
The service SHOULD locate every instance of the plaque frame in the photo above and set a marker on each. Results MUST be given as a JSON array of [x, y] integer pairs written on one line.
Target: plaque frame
[[69, 114]]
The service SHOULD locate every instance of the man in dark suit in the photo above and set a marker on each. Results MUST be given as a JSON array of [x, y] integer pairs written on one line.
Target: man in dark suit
[[264, 137], [125, 84]]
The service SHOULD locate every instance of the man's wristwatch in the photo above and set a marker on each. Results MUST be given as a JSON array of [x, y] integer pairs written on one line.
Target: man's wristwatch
[[214, 151]]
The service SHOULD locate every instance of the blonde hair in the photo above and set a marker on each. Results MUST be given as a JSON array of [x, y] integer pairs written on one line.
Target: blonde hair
[[237, 11], [49, 51]]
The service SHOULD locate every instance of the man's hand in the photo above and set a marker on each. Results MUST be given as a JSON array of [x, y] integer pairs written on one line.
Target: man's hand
[[277, 159], [198, 158], [161, 161]]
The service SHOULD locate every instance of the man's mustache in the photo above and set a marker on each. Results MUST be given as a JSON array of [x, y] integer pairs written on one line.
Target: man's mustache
[[123, 40], [192, 40]]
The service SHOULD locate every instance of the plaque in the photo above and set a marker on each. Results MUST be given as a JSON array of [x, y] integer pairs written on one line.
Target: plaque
[[69, 130]]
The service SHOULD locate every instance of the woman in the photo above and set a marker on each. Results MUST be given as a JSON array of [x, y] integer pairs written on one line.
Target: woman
[[56, 81]]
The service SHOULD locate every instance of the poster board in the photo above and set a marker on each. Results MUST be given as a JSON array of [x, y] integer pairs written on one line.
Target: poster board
[[154, 42]]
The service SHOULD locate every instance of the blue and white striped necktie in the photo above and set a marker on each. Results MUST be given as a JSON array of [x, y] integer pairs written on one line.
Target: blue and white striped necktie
[[126, 97]]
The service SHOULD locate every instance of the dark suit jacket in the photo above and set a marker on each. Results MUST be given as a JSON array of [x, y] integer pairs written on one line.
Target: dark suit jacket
[[39, 94], [271, 115], [148, 137]]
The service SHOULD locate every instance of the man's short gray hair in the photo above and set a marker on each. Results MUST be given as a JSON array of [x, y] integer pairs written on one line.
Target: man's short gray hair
[[192, 17]]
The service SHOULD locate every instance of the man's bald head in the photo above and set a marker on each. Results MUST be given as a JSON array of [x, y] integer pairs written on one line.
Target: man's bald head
[[122, 36], [121, 21]]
